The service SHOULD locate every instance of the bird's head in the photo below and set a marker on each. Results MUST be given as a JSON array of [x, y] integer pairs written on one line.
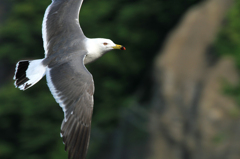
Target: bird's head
[[101, 45], [107, 45]]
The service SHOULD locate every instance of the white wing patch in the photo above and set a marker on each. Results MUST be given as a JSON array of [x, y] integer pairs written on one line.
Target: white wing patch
[[55, 93]]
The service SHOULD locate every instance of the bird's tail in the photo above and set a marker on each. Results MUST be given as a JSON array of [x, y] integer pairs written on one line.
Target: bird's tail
[[28, 73]]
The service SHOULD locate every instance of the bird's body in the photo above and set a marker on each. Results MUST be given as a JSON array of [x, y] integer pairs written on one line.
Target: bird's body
[[67, 50]]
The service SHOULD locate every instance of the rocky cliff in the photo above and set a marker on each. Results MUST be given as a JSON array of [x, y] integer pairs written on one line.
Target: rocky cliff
[[192, 117]]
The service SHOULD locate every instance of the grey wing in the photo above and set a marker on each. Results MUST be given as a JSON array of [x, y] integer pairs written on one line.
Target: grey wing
[[72, 87], [61, 25]]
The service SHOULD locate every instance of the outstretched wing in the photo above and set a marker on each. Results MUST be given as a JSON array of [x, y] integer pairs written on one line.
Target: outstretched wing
[[72, 87], [61, 25]]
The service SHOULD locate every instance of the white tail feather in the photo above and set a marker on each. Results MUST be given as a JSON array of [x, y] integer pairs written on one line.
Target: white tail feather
[[28, 73]]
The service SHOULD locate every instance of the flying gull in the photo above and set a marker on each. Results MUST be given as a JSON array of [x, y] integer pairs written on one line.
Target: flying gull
[[67, 50]]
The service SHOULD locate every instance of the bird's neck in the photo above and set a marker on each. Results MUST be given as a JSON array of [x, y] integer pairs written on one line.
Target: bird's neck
[[93, 49]]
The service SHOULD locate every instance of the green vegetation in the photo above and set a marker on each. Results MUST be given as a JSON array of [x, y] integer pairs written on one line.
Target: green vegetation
[[229, 37], [227, 44], [30, 120]]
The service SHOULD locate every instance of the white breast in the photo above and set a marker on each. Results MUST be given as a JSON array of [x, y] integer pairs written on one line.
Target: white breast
[[91, 57]]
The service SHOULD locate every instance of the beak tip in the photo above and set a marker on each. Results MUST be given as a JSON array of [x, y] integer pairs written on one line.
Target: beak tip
[[122, 48]]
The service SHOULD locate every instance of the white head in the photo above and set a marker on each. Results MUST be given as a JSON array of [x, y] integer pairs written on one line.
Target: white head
[[101, 45], [98, 46]]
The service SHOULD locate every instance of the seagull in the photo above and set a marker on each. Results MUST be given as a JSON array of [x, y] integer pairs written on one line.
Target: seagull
[[67, 51]]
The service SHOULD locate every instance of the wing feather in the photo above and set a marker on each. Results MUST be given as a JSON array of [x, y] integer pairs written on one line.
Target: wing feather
[[72, 86], [61, 25]]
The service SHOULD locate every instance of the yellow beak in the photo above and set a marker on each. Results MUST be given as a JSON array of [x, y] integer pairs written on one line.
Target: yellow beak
[[120, 47]]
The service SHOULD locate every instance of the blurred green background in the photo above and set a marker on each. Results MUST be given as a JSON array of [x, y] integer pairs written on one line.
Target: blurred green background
[[124, 80]]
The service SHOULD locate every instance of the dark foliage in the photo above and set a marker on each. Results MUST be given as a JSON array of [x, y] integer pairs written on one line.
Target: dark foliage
[[30, 120]]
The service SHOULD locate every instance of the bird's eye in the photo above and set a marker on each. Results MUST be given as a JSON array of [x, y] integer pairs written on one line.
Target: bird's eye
[[105, 43]]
